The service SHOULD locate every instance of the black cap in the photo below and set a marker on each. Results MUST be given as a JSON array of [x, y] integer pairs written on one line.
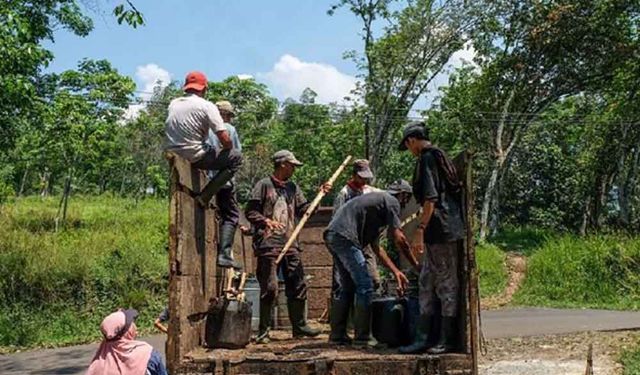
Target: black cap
[[416, 128]]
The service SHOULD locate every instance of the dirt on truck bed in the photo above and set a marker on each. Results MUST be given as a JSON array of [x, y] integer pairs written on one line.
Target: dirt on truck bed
[[285, 355]]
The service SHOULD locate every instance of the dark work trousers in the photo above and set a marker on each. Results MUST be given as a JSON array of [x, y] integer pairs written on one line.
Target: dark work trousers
[[228, 204], [295, 286], [439, 277]]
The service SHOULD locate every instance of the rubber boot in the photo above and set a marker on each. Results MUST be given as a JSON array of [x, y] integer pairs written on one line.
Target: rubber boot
[[420, 342], [362, 325], [299, 326], [446, 343], [213, 186], [266, 311], [227, 235], [339, 317]]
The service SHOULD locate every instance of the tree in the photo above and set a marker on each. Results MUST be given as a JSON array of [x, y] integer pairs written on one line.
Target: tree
[[81, 122], [532, 55], [399, 65], [24, 25]]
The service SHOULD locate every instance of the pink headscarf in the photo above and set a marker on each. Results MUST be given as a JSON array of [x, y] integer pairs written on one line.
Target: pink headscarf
[[119, 353]]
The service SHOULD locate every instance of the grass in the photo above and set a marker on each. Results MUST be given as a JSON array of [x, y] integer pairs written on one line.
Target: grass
[[630, 360], [491, 269], [55, 287], [593, 272], [523, 240]]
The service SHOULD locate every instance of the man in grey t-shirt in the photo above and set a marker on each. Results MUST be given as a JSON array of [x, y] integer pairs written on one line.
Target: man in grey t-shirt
[[356, 186], [187, 127], [359, 223]]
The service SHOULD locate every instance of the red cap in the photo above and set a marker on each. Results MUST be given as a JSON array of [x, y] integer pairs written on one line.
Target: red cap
[[195, 81]]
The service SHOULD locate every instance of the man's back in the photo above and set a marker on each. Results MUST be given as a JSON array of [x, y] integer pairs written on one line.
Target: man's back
[[362, 219], [187, 125]]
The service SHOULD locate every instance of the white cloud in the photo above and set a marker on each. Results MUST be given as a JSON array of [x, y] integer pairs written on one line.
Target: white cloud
[[148, 77], [245, 76], [290, 76]]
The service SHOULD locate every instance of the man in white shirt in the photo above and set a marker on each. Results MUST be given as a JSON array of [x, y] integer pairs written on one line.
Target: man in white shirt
[[187, 127]]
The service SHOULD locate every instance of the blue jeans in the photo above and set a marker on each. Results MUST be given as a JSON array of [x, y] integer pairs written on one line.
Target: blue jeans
[[353, 276]]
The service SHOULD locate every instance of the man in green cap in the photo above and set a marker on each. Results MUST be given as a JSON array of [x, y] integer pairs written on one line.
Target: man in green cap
[[437, 189], [274, 207]]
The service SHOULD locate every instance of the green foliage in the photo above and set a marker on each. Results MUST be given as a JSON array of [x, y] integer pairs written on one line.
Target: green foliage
[[596, 271], [523, 240], [24, 26], [57, 286], [128, 13], [491, 268], [630, 360], [404, 49], [6, 188]]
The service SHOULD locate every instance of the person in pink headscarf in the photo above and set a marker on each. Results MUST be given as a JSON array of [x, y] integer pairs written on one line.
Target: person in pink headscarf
[[120, 353]]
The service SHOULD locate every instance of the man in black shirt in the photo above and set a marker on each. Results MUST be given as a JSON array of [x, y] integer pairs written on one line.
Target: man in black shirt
[[272, 210], [359, 223], [437, 189]]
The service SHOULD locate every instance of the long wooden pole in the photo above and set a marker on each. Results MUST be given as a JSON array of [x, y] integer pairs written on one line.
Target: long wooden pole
[[310, 210]]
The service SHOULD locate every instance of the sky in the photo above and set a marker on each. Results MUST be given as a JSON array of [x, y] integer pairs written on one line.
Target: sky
[[287, 44]]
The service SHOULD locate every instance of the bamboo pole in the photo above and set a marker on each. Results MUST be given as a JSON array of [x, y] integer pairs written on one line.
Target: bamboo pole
[[310, 210]]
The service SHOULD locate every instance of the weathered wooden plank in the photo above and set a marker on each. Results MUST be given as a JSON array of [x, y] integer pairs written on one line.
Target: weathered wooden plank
[[316, 255], [312, 235], [321, 276], [319, 358], [192, 250], [317, 297]]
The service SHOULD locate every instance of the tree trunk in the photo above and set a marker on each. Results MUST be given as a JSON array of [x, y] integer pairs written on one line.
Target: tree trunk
[[489, 194], [45, 177], [61, 215], [24, 180], [585, 218], [630, 186], [599, 202]]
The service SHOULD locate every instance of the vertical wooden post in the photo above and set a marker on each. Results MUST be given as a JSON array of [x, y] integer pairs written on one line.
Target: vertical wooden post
[[474, 298], [192, 254]]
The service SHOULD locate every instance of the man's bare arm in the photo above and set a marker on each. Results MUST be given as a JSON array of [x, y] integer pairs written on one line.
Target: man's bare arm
[[418, 237], [225, 139], [402, 280]]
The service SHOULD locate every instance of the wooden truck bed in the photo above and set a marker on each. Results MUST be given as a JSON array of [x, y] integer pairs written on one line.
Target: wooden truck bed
[[195, 282], [287, 356]]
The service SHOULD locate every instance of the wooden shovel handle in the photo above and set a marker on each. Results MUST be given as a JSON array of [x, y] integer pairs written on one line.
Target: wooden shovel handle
[[310, 210]]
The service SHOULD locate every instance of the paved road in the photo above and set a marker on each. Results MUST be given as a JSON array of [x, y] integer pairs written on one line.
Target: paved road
[[496, 324]]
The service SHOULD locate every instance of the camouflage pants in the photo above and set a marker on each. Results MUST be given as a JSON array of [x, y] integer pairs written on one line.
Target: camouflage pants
[[439, 277]]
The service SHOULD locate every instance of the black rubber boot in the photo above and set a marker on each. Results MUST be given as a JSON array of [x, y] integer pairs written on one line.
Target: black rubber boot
[[446, 343], [362, 326], [213, 186], [339, 317], [266, 310], [420, 343], [225, 248], [299, 326]]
